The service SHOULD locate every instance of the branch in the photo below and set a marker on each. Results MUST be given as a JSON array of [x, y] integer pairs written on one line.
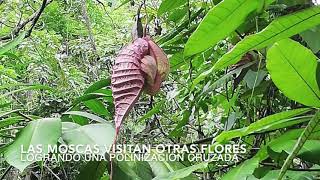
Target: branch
[[88, 25], [33, 19]]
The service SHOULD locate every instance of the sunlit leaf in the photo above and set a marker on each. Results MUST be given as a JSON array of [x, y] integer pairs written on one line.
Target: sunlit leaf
[[293, 69], [37, 132], [168, 5], [278, 29], [219, 22]]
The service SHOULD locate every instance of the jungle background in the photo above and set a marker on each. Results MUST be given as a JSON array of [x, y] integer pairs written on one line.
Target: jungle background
[[56, 58]]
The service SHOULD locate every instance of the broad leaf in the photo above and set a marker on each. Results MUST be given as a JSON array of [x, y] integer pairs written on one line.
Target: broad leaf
[[219, 22], [37, 133], [280, 28], [98, 85], [181, 173], [66, 126], [168, 5], [129, 170], [312, 36], [92, 170], [267, 123], [309, 152], [101, 135], [97, 107], [293, 69], [243, 170], [300, 144]]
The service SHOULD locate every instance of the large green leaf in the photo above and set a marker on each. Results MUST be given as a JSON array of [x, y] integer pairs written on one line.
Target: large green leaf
[[246, 168], [280, 28], [181, 173], [307, 132], [264, 124], [98, 85], [293, 69], [132, 170], [43, 132], [92, 170], [101, 135], [243, 170], [309, 152], [168, 5], [12, 44], [105, 93], [97, 107], [219, 22], [312, 36]]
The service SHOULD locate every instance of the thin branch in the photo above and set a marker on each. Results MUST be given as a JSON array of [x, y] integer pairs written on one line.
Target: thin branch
[[88, 25], [50, 170], [6, 172], [33, 19]]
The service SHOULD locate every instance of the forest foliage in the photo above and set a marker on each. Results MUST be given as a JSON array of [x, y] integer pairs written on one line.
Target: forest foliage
[[241, 72]]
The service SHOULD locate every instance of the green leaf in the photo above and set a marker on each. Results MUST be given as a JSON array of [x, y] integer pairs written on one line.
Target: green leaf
[[276, 143], [98, 85], [129, 170], [178, 14], [307, 132], [9, 121], [312, 36], [264, 124], [243, 170], [309, 152], [12, 44], [66, 126], [281, 28], [42, 132], [181, 173], [253, 79], [168, 5], [176, 61], [219, 22], [96, 94], [223, 78], [87, 115], [293, 69], [154, 110], [92, 170], [101, 135], [97, 107]]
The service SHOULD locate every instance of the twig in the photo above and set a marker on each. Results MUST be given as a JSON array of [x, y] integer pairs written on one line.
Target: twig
[[33, 19], [52, 172], [6, 172], [24, 116], [88, 25]]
